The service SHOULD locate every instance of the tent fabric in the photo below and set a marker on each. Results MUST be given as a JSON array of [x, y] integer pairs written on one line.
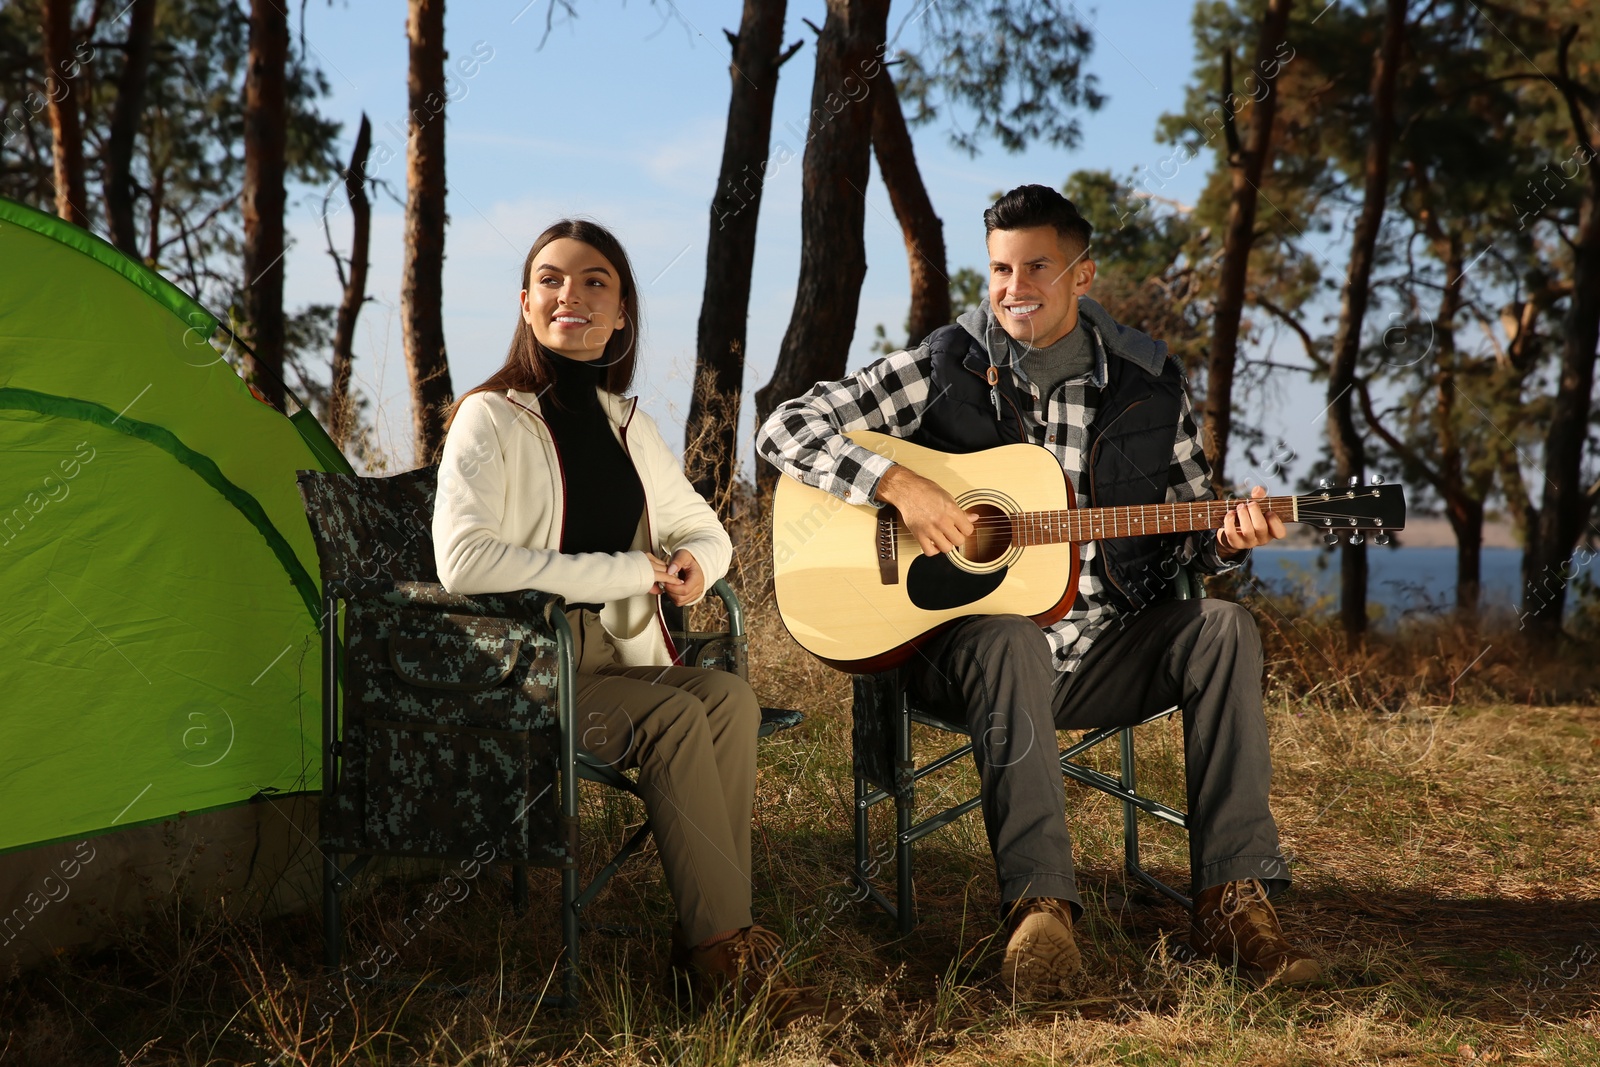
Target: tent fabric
[[257, 859], [160, 589], [160, 290]]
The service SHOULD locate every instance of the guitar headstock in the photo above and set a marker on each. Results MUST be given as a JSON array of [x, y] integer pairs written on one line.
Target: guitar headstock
[[1354, 510]]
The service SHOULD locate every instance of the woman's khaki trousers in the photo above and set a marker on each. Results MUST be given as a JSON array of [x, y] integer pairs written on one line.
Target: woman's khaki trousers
[[691, 733]]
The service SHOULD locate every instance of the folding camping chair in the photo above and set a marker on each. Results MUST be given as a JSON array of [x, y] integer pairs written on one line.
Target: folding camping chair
[[885, 768], [447, 718]]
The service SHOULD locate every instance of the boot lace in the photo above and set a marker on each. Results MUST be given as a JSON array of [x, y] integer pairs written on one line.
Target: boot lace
[[1258, 928], [757, 953]]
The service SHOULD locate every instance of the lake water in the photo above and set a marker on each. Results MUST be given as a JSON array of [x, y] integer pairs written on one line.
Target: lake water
[[1404, 579]]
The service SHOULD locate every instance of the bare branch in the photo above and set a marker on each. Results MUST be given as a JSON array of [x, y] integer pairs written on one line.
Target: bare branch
[[550, 19], [327, 233], [1295, 325], [1405, 452]]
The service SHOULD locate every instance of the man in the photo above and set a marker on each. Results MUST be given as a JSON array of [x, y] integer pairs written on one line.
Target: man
[[1041, 362]]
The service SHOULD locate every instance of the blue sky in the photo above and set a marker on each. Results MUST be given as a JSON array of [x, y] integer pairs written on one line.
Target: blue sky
[[620, 117]]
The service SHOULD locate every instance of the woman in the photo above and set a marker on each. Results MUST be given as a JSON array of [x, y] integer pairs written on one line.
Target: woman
[[551, 479]]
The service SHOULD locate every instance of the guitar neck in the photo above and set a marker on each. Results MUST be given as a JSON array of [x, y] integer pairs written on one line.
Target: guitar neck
[[1094, 524]]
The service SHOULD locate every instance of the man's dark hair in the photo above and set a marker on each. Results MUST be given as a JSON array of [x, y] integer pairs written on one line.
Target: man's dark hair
[[1027, 206]]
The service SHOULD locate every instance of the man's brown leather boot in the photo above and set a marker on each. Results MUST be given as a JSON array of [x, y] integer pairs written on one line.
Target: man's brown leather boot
[[1235, 924], [742, 970], [1041, 957]]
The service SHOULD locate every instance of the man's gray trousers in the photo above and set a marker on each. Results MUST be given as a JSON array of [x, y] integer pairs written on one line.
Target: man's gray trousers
[[995, 674]]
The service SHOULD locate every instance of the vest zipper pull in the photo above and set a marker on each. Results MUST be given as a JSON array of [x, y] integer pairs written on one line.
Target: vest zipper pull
[[993, 378]]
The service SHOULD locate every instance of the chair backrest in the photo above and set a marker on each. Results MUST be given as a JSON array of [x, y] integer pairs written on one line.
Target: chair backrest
[[372, 529]]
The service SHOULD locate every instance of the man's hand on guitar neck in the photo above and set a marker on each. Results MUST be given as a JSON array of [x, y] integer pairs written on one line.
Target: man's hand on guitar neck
[[1247, 526], [932, 515]]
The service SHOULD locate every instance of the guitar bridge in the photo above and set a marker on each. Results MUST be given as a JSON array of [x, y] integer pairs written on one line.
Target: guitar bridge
[[888, 551]]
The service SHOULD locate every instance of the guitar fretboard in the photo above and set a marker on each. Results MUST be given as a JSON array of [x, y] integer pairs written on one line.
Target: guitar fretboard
[[1093, 524]]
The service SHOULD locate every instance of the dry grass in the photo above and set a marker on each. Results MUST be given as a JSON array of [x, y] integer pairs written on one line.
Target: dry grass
[[1439, 805]]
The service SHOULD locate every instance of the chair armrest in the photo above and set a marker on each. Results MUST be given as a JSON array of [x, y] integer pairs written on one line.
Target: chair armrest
[[678, 618], [528, 604], [717, 649], [1187, 584], [775, 719], [542, 612], [730, 602]]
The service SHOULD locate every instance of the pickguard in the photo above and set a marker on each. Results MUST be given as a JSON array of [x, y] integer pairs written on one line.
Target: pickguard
[[933, 583]]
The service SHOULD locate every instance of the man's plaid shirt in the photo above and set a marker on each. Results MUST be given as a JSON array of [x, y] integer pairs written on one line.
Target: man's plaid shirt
[[805, 439]]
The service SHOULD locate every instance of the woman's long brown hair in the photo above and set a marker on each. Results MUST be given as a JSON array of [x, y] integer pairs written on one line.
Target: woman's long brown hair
[[528, 367]]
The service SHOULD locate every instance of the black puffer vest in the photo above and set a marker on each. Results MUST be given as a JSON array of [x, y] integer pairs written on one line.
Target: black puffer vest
[[1129, 454]]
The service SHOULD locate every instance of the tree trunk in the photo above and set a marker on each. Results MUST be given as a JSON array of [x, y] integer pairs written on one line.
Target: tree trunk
[[125, 127], [711, 433], [265, 131], [833, 254], [1565, 504], [1463, 501], [1466, 520], [924, 233], [1246, 165], [422, 285], [340, 413], [1349, 453], [66, 125]]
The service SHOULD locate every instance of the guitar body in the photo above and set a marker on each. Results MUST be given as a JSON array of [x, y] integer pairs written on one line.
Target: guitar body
[[834, 587]]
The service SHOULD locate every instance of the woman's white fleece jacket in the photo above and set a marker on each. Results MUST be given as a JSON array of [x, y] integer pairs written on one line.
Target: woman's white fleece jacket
[[498, 515]]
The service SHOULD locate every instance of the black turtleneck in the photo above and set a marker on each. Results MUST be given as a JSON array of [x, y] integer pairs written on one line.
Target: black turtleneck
[[603, 496]]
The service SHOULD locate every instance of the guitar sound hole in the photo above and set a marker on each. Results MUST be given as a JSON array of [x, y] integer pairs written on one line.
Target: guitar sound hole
[[991, 538]]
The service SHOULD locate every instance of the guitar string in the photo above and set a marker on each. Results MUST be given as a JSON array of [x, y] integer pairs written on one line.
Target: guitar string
[[1315, 502], [1136, 513], [1058, 521]]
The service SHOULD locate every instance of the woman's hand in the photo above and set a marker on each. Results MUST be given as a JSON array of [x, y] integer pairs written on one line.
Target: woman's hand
[[679, 578], [665, 579]]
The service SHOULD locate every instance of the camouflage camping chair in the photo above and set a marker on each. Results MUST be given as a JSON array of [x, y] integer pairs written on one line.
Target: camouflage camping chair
[[446, 726]]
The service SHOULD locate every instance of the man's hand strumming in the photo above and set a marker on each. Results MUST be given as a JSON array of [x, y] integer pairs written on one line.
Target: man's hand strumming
[[932, 515]]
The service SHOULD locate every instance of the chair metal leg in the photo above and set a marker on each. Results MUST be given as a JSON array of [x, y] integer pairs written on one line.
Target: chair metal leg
[[336, 881], [569, 933], [1130, 828], [332, 924], [566, 687], [1130, 813], [598, 882], [862, 872], [905, 807], [905, 902]]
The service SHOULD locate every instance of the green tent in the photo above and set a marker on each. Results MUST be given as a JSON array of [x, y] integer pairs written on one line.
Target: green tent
[[158, 584]]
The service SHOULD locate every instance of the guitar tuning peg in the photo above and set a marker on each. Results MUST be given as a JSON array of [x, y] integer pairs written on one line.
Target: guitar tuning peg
[[1377, 479], [1330, 539], [1356, 538], [1381, 539], [1355, 481], [1324, 483]]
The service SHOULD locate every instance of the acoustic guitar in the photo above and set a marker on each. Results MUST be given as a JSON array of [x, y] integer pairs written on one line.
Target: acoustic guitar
[[855, 590]]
